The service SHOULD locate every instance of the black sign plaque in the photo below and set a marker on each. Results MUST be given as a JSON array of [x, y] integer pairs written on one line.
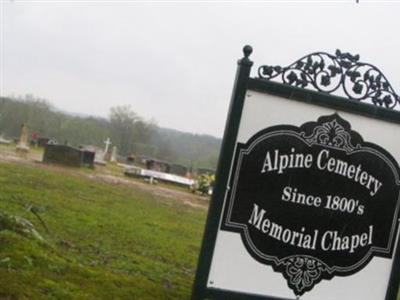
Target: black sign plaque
[[314, 201]]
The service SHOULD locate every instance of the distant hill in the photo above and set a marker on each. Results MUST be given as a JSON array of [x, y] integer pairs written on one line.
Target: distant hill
[[128, 131]]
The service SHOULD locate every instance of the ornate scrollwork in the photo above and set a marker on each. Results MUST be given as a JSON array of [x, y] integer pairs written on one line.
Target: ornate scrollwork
[[330, 73], [332, 134], [302, 273]]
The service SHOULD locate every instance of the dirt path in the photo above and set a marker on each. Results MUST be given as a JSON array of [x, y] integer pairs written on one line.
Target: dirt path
[[103, 174]]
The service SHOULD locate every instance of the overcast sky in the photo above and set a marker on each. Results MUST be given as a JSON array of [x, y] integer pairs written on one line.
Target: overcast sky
[[173, 61]]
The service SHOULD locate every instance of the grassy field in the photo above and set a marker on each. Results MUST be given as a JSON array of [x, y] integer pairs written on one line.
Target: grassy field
[[103, 242]]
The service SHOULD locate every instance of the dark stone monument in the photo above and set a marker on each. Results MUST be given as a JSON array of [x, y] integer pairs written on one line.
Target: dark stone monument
[[178, 170], [130, 160], [68, 156], [157, 165], [88, 158]]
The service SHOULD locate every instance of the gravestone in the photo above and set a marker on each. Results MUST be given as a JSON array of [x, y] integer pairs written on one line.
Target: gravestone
[[130, 159], [99, 157], [97, 154], [178, 170], [113, 158], [88, 158], [22, 146], [157, 165], [68, 156], [107, 154]]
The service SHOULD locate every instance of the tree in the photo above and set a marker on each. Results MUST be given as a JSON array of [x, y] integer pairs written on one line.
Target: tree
[[128, 128]]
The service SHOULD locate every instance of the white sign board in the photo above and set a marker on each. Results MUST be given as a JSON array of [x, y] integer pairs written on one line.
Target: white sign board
[[234, 268]]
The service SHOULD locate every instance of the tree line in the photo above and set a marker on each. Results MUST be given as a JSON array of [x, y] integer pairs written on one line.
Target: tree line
[[132, 134]]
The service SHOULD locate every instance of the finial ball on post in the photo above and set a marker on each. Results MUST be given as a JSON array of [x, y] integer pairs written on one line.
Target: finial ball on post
[[247, 50]]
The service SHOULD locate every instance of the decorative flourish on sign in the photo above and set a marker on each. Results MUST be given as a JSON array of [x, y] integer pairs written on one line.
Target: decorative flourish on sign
[[333, 134], [303, 272], [329, 73]]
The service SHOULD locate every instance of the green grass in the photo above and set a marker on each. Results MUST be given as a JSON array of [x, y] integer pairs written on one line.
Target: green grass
[[104, 241]]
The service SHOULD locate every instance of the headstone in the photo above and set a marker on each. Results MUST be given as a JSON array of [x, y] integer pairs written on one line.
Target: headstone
[[107, 154], [130, 160], [99, 159], [88, 158], [157, 165], [22, 146], [68, 156], [178, 170], [113, 158]]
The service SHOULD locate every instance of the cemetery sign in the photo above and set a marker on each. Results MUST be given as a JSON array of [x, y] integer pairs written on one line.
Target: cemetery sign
[[308, 191], [305, 200]]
